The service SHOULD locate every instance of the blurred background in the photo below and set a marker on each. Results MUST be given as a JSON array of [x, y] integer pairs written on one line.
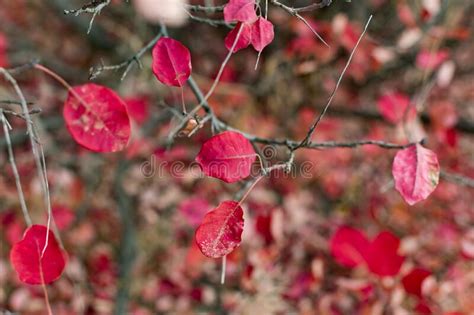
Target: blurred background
[[127, 220]]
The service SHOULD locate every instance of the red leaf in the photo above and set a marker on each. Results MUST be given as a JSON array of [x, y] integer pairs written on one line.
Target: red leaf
[[244, 38], [412, 282], [171, 62], [240, 11], [97, 118], [351, 248], [3, 51], [392, 107], [221, 230], [262, 34], [25, 257], [382, 257], [348, 246], [228, 156], [138, 109], [416, 173]]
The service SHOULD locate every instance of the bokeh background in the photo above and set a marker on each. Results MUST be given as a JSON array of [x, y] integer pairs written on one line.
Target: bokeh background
[[129, 233]]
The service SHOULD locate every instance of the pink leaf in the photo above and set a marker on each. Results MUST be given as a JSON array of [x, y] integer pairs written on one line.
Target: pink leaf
[[171, 62], [416, 173], [382, 257], [26, 259], [240, 11], [244, 38], [392, 107], [227, 156], [348, 246], [429, 60], [221, 230], [413, 281], [97, 118], [63, 216], [262, 34]]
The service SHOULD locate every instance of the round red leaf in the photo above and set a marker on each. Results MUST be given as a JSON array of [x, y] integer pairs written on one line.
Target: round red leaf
[[382, 257], [26, 259], [244, 38], [412, 282], [221, 230], [228, 156], [171, 62], [97, 118]]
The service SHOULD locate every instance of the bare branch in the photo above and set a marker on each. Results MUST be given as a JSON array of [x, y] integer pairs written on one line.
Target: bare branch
[[35, 144], [211, 22], [91, 7], [13, 102], [94, 7], [333, 93], [314, 6], [94, 72], [16, 174], [33, 111], [296, 12], [203, 8]]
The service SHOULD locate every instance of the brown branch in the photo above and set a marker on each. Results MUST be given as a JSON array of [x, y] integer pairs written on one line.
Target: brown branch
[[462, 125], [314, 6], [94, 72], [94, 7], [91, 7], [333, 93], [211, 22], [311, 7], [13, 102], [295, 12], [16, 174], [458, 179], [33, 111], [203, 8]]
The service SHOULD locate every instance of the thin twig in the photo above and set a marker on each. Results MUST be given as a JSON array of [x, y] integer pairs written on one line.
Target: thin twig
[[295, 12], [457, 179], [94, 7], [333, 93], [13, 102], [34, 141], [94, 72], [33, 111], [16, 174], [23, 67], [224, 263], [314, 6], [203, 8], [211, 22]]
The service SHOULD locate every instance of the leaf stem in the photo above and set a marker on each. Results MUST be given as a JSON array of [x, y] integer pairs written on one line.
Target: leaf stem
[[224, 264]]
